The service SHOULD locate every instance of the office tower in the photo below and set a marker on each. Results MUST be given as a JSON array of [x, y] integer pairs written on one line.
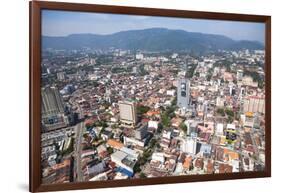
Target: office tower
[[183, 93], [52, 110], [128, 113], [189, 145]]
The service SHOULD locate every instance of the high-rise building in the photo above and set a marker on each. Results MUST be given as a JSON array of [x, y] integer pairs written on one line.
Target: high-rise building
[[128, 113], [183, 93], [52, 109], [141, 131], [51, 101], [239, 75], [189, 145], [230, 89], [139, 57], [254, 104], [219, 129], [61, 76], [92, 61], [108, 95]]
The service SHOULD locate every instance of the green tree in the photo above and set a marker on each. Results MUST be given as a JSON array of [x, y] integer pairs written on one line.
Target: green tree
[[152, 143], [142, 109], [160, 127], [110, 150], [137, 167], [221, 111], [69, 149], [174, 101], [229, 112], [183, 127], [142, 175], [165, 120], [230, 119]]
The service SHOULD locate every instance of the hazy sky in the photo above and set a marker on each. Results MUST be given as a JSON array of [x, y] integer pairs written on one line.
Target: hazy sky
[[62, 23]]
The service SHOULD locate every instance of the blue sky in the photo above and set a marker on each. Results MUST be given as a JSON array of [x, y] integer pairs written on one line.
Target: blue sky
[[63, 23]]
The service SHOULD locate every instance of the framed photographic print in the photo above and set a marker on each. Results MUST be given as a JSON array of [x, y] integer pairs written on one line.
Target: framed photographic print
[[123, 96]]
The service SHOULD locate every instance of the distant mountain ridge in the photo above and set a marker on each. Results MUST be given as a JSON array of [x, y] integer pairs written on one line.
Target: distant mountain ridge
[[152, 39]]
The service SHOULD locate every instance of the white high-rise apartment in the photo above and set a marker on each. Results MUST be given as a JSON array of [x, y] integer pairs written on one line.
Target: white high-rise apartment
[[254, 104]]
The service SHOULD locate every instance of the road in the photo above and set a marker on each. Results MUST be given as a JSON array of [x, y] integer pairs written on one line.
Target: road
[[78, 150]]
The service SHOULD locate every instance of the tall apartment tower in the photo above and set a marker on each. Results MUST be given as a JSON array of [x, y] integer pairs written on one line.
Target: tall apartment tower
[[183, 93], [52, 110], [108, 95], [128, 113], [51, 101], [254, 104]]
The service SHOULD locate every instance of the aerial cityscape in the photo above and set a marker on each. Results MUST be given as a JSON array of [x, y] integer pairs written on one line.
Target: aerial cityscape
[[152, 101]]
